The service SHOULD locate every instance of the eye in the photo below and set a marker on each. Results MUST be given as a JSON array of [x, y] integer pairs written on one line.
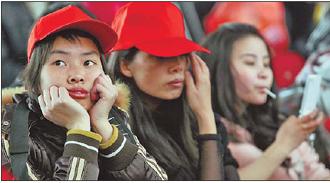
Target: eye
[[267, 65], [249, 62], [89, 63], [59, 63]]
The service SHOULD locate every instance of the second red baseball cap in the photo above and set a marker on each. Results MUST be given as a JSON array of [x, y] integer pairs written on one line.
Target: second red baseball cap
[[71, 17], [153, 27]]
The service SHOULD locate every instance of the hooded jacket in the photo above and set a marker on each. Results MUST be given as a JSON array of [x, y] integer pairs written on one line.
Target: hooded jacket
[[55, 153]]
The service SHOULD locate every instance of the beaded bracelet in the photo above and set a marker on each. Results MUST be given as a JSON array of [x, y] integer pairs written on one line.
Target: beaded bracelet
[[205, 137]]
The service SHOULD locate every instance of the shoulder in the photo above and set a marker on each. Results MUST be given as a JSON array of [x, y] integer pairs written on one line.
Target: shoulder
[[124, 96], [8, 94]]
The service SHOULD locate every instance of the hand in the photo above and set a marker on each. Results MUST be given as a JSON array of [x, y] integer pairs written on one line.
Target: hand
[[295, 130], [107, 94], [58, 107], [199, 94]]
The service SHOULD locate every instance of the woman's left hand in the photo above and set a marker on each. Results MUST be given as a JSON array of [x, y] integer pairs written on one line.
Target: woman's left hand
[[198, 92], [105, 93]]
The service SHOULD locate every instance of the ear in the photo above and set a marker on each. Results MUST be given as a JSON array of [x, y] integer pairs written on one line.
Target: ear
[[124, 68]]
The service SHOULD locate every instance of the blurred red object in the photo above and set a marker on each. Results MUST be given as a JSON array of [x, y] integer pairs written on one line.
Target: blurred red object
[[267, 17], [327, 124], [286, 66], [104, 11], [6, 174]]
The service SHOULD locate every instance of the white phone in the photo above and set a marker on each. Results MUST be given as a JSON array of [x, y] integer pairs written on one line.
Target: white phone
[[311, 94]]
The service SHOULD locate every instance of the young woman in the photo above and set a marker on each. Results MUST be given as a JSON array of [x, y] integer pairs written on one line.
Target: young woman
[[241, 76], [67, 126], [170, 110]]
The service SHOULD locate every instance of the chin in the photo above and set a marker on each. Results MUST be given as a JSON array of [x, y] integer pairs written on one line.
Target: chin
[[170, 96], [259, 101]]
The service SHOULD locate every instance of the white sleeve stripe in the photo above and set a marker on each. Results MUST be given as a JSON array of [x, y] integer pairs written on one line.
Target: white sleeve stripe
[[32, 176], [82, 144], [116, 151], [73, 168], [150, 161], [153, 164], [80, 169]]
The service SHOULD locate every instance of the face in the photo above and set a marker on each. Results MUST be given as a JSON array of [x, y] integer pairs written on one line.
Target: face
[[250, 67], [74, 65], [162, 78]]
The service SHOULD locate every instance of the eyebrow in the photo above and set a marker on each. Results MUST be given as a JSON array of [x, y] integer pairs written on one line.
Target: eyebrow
[[67, 53]]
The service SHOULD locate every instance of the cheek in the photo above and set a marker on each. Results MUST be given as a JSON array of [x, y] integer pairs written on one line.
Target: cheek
[[48, 78], [244, 81], [145, 81], [271, 77]]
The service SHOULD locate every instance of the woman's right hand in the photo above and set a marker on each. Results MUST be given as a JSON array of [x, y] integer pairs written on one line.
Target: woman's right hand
[[58, 107], [198, 91], [295, 130]]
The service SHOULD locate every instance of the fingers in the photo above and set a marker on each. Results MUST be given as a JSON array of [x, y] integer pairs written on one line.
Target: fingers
[[63, 94], [200, 69], [42, 103], [196, 69], [201, 63], [54, 95], [309, 116], [46, 97], [189, 82], [50, 97], [310, 122], [103, 87]]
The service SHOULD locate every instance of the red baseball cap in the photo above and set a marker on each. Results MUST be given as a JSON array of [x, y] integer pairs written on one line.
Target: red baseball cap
[[71, 17], [153, 27]]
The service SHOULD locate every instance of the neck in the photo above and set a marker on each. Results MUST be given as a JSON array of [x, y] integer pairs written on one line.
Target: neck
[[241, 107], [151, 102]]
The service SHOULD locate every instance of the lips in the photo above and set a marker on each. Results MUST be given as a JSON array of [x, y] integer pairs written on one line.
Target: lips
[[261, 89], [176, 83], [78, 93]]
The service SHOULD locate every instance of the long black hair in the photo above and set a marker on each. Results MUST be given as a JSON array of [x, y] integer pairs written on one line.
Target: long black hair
[[167, 132], [260, 120]]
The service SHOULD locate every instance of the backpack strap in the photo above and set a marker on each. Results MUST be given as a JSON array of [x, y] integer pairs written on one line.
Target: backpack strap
[[18, 149]]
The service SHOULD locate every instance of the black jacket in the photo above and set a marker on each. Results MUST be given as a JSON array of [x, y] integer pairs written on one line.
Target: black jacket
[[58, 154]]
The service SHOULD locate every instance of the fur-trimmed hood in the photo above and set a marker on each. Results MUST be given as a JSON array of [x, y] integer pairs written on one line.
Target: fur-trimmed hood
[[122, 101]]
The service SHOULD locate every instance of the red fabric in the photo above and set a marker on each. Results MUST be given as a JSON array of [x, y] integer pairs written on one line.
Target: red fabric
[[71, 17], [327, 124], [267, 17], [5, 174], [104, 11], [286, 66], [154, 27]]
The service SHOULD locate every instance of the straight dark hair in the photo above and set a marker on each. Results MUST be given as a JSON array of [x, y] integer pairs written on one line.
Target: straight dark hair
[[260, 120], [31, 74], [168, 132]]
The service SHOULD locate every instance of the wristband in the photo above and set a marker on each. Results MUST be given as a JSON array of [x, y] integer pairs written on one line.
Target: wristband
[[205, 137]]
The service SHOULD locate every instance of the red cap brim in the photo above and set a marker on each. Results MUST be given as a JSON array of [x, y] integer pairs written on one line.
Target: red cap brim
[[101, 31], [168, 47]]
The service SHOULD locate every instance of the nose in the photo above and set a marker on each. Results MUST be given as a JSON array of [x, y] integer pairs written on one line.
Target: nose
[[76, 76], [262, 74], [177, 65]]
